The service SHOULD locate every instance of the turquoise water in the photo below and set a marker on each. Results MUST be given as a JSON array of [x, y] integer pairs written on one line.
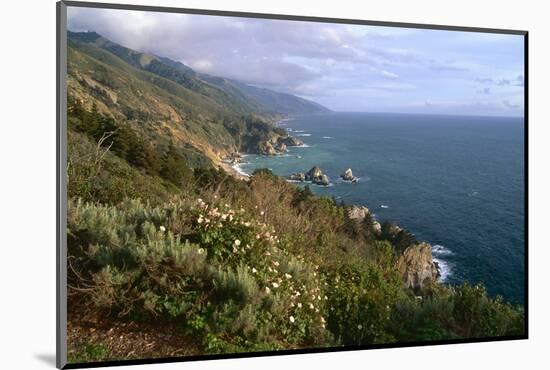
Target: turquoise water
[[454, 181]]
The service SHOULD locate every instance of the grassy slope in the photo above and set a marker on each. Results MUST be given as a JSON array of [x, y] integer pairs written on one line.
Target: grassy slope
[[157, 107]]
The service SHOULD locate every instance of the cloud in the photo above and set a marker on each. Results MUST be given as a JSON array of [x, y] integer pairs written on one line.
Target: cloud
[[488, 81], [484, 91], [344, 66], [509, 105], [518, 81], [389, 75]]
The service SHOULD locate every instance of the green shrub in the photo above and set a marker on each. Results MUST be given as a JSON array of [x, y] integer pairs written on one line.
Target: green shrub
[[130, 260], [477, 315], [361, 303]]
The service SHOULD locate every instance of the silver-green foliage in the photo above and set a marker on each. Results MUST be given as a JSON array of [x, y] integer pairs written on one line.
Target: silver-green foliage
[[236, 285]]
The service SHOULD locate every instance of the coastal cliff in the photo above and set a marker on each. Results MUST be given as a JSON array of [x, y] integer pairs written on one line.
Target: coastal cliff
[[417, 266], [275, 144]]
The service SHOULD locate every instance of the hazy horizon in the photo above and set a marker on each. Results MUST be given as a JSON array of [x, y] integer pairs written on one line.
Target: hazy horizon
[[346, 68]]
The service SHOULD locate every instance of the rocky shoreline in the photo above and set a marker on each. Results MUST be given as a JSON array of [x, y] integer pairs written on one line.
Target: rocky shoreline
[[415, 264], [277, 145]]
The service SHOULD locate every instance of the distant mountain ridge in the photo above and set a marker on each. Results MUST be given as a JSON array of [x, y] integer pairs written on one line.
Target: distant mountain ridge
[[255, 99]]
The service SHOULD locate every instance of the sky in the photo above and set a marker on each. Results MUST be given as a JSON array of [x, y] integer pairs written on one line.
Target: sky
[[343, 67]]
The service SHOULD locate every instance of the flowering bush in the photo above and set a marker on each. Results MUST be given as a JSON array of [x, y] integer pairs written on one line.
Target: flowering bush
[[285, 289], [238, 285], [227, 277]]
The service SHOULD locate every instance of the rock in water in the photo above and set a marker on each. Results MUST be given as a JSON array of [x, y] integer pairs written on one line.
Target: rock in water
[[322, 180], [314, 173], [347, 175], [290, 141], [316, 176], [281, 148], [417, 267], [298, 176]]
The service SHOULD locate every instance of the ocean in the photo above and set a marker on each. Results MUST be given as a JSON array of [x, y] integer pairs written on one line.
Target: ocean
[[456, 182]]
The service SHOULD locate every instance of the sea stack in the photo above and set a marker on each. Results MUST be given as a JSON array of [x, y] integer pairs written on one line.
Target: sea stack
[[299, 176], [347, 175], [316, 176]]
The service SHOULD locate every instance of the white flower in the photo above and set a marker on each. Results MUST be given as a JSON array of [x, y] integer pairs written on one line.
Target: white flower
[[299, 305], [276, 263], [200, 251], [311, 306], [275, 285], [261, 213], [247, 224], [359, 326], [288, 276], [237, 242], [322, 319], [292, 319], [267, 290], [254, 270], [200, 220], [162, 228], [326, 298], [224, 216]]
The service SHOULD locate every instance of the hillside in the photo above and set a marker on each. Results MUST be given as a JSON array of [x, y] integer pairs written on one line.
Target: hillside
[[169, 256], [208, 118]]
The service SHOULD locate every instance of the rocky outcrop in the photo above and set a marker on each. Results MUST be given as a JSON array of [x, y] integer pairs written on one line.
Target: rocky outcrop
[[347, 175], [290, 141], [313, 173], [316, 176], [358, 212], [323, 180], [417, 267], [266, 148], [281, 148], [300, 176], [277, 145]]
